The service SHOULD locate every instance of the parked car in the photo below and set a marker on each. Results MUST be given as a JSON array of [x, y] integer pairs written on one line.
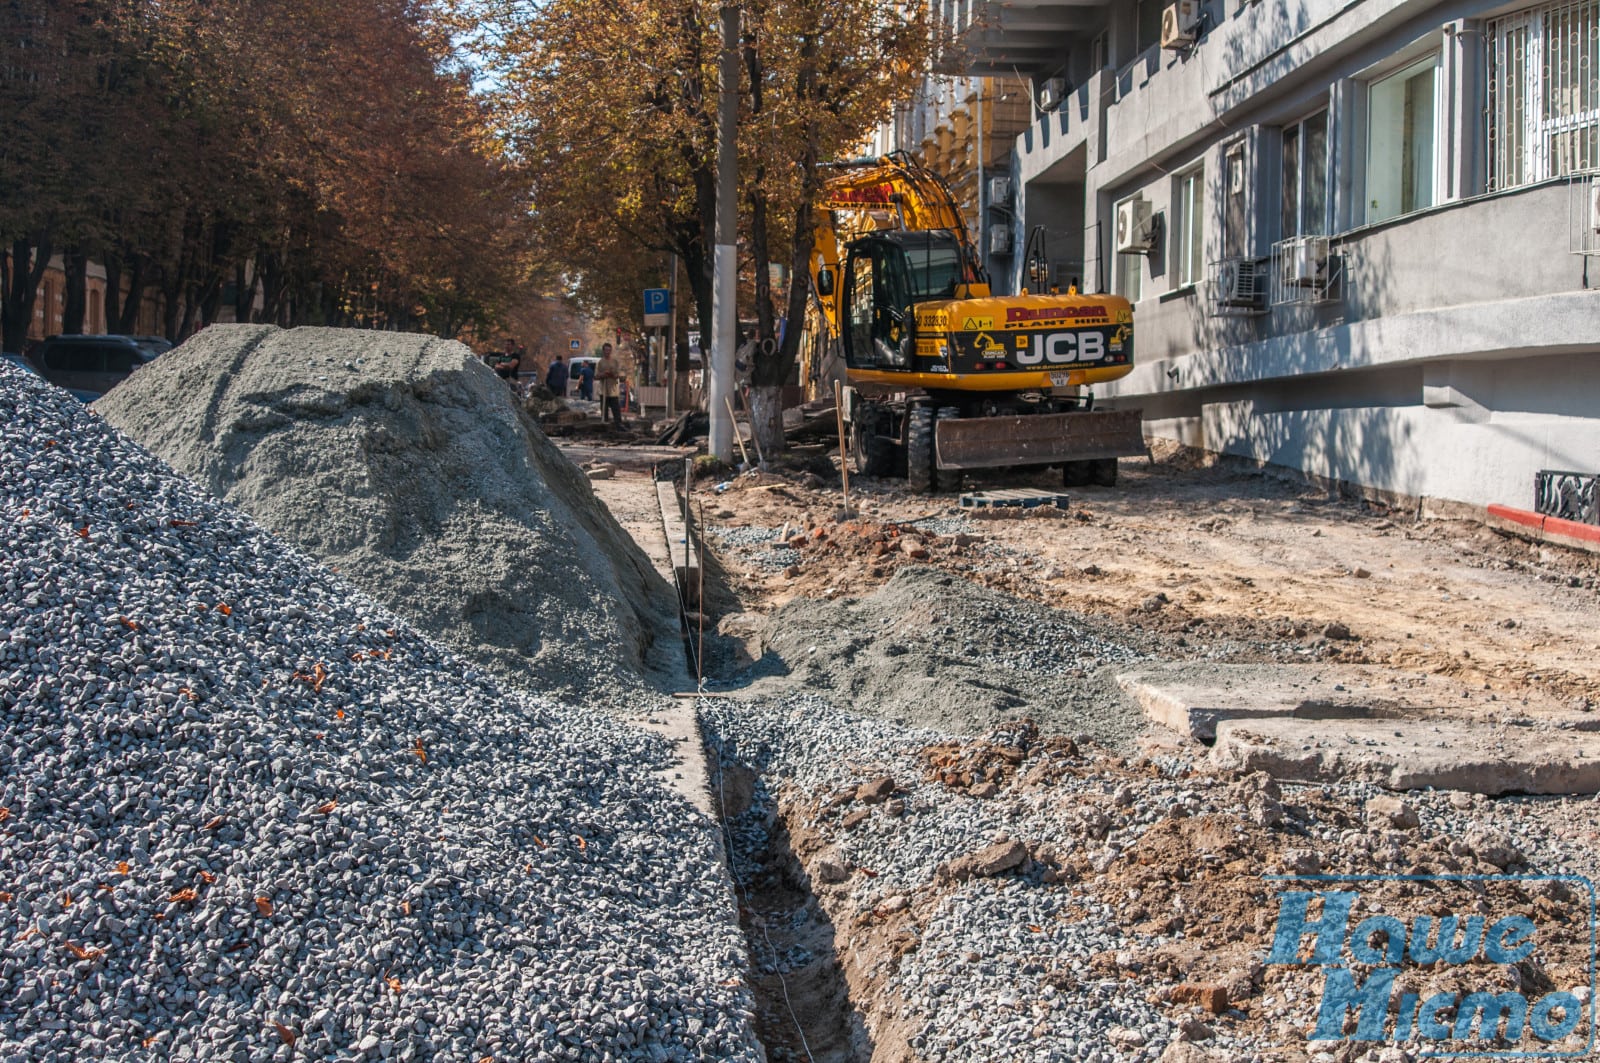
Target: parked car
[[89, 366], [154, 344], [13, 358]]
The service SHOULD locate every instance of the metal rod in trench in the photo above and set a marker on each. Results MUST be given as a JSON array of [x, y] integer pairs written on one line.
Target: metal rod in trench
[[844, 458], [744, 455]]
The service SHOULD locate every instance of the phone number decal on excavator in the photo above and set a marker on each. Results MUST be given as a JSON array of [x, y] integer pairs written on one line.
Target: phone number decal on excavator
[[1044, 348]]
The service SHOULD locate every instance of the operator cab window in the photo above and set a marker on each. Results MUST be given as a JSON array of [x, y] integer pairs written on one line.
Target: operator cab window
[[860, 296]]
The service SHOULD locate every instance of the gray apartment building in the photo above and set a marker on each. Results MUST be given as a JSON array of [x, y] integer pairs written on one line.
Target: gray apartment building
[[1360, 236]]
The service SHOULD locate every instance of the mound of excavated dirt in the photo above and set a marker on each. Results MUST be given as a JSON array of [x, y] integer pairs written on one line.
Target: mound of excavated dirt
[[934, 650], [403, 462]]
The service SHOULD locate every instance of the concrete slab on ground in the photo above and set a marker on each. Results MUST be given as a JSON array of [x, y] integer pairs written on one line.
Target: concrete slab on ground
[[1192, 699], [633, 500], [1477, 757]]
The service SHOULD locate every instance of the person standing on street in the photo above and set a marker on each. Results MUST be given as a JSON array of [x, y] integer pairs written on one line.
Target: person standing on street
[[586, 381], [556, 377], [610, 386]]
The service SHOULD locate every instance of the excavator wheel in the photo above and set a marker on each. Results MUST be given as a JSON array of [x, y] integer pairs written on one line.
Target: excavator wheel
[[919, 449], [946, 479], [871, 453], [1103, 472]]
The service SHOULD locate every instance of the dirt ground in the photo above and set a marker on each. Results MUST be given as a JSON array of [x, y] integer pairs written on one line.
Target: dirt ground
[[1185, 560], [1207, 553]]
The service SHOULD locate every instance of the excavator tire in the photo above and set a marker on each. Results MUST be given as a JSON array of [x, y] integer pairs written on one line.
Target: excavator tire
[[1076, 473], [1103, 472], [946, 480], [919, 449], [871, 453]]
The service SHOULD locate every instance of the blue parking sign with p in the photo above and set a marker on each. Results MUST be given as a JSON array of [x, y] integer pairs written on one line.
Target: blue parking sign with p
[[657, 306]]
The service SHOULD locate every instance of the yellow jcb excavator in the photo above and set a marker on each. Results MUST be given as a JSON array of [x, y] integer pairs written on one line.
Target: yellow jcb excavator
[[943, 376]]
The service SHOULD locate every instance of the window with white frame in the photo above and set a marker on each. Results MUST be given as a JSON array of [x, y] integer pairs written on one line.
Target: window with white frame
[[1129, 273], [1544, 93], [1401, 139], [1188, 229], [1304, 198]]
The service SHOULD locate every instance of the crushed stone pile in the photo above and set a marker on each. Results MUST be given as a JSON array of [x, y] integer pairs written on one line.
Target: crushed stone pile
[[246, 813], [931, 649], [403, 462], [1021, 897]]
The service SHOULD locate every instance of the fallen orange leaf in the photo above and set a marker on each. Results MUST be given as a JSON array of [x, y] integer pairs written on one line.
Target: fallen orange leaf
[[393, 983], [582, 845], [66, 900], [338, 714], [122, 866], [207, 877], [420, 752], [131, 625], [176, 523], [213, 823], [5, 898], [5, 814], [184, 895], [224, 608], [107, 887], [84, 954], [1036, 929], [285, 1034], [405, 906], [264, 906], [327, 807], [83, 532], [148, 1041], [159, 916]]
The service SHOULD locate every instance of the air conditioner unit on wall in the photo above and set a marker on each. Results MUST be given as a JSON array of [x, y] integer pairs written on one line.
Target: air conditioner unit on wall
[[1049, 93], [1180, 24], [999, 189], [1305, 262], [1594, 204], [1240, 284], [1137, 230], [999, 241]]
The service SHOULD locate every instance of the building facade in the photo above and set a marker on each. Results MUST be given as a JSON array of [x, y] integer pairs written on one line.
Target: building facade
[[1358, 234]]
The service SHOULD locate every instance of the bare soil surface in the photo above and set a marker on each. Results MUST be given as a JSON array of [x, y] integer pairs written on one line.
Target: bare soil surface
[[1091, 888]]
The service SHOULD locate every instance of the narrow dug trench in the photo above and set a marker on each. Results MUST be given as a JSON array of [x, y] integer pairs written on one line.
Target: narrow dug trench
[[804, 1009]]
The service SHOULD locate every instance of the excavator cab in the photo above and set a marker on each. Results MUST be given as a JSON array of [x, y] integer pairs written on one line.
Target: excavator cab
[[885, 276]]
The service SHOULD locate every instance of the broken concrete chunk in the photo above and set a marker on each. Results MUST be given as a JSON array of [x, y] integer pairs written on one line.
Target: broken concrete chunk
[[831, 871], [854, 819], [1208, 995], [1390, 813], [876, 790], [1302, 862], [1336, 631], [986, 863]]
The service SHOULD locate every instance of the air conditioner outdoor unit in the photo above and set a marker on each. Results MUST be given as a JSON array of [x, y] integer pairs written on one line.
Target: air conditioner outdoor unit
[[1000, 189], [1594, 204], [1000, 241], [1136, 228], [1241, 284], [1180, 24], [1305, 262], [1050, 93]]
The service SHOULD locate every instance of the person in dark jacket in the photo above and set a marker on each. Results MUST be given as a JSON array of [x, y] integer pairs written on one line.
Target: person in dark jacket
[[556, 378], [586, 387]]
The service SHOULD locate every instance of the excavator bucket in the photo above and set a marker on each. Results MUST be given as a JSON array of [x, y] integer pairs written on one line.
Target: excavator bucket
[[1038, 439]]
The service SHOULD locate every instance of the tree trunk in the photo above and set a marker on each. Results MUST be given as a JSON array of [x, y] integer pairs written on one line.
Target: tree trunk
[[766, 418], [30, 255], [112, 304], [128, 322], [75, 307]]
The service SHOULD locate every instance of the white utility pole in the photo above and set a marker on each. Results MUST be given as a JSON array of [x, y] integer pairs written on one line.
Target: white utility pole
[[725, 281], [670, 367]]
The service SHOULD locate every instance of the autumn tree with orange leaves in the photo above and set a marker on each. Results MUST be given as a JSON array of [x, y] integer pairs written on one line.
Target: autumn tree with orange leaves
[[610, 111], [322, 157]]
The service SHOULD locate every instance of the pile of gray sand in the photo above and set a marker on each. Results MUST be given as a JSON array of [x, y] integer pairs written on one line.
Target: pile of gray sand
[[929, 649], [403, 462]]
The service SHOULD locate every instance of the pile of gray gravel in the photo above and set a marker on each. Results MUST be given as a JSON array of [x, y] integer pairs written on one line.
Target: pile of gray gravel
[[404, 463], [930, 649], [248, 814]]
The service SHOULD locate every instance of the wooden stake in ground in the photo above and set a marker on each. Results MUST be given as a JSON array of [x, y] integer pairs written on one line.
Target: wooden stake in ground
[[744, 455], [844, 458]]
